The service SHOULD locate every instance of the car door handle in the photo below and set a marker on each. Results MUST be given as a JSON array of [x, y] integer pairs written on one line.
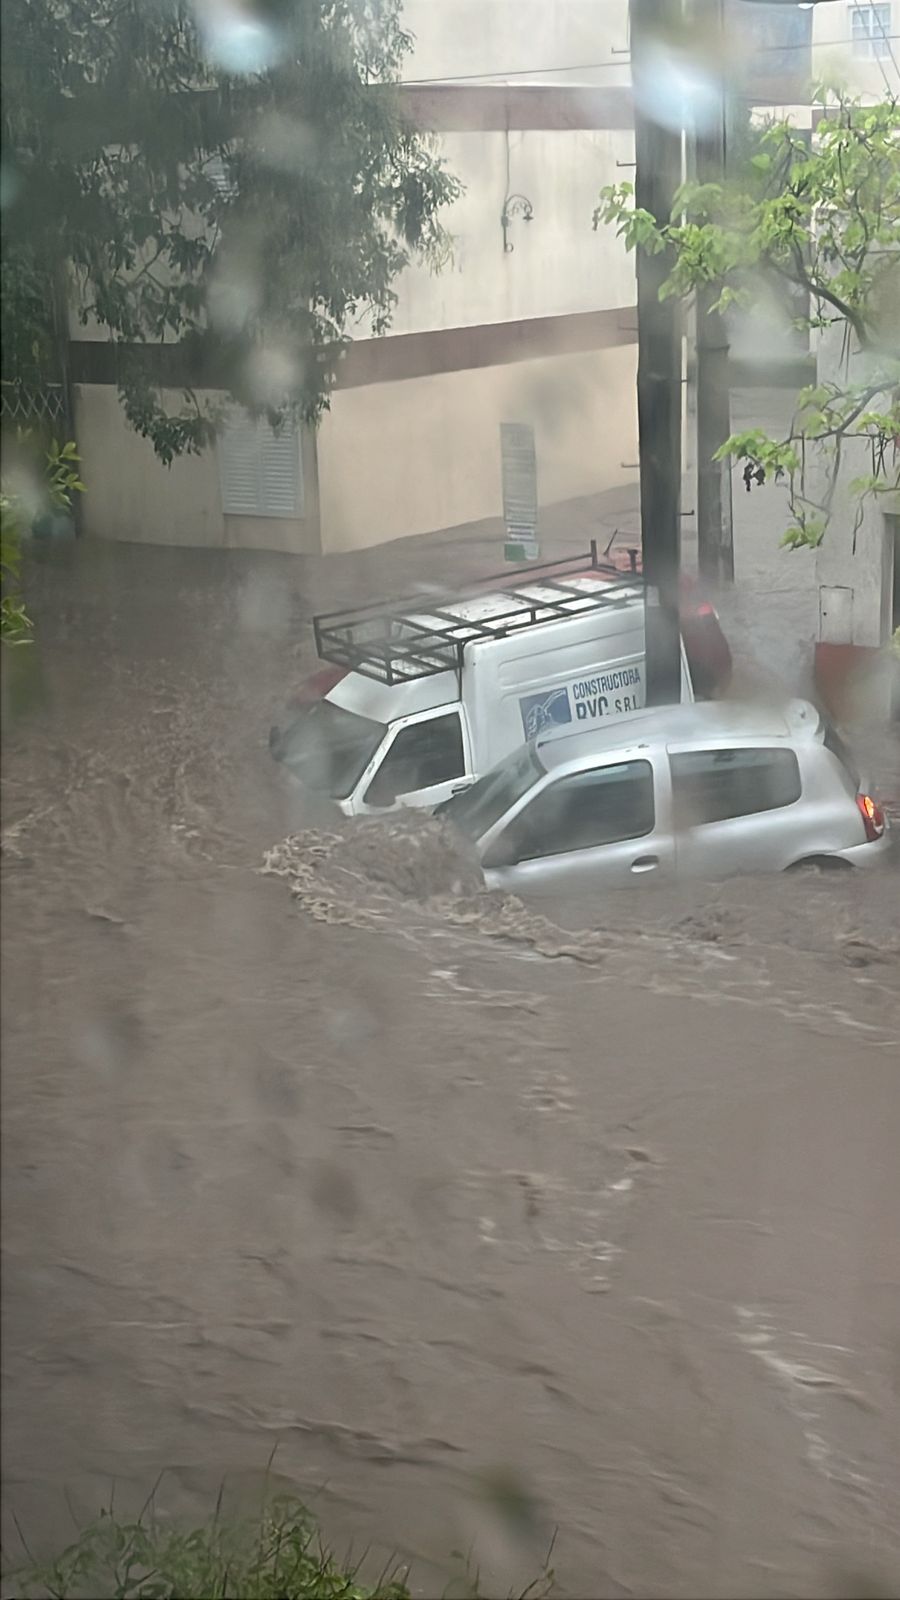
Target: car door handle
[[645, 863], [459, 788]]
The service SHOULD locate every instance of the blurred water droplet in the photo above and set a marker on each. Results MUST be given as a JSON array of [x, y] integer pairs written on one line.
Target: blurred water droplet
[[674, 92], [232, 300], [511, 1498], [271, 375], [286, 144], [236, 41]]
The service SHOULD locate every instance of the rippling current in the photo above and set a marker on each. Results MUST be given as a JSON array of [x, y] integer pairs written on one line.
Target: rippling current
[[490, 1221]]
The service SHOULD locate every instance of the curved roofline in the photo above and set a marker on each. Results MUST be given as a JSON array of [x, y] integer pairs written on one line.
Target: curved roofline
[[683, 724]]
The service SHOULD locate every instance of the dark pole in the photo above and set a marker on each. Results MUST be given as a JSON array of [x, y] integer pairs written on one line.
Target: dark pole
[[658, 163], [60, 312], [715, 546]]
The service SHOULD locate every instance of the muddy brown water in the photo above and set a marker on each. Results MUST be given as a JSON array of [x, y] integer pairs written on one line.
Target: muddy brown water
[[493, 1221]]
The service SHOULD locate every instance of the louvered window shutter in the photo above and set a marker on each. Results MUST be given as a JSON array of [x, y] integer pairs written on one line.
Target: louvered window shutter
[[280, 472], [259, 470], [519, 474]]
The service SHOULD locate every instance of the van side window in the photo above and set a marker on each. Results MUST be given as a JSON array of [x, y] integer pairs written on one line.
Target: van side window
[[583, 811], [422, 755], [713, 785]]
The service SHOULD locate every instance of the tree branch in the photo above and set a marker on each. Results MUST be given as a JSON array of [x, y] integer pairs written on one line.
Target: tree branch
[[823, 292]]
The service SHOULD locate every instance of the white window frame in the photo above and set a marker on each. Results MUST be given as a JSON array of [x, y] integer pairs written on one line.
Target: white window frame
[[870, 29], [260, 471]]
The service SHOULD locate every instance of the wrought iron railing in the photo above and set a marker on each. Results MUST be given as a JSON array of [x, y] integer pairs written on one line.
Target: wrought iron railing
[[24, 403]]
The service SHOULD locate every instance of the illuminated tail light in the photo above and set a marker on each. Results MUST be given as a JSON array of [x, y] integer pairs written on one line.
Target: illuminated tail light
[[872, 815]]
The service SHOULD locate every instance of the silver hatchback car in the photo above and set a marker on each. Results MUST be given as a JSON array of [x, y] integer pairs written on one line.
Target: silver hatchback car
[[703, 790]]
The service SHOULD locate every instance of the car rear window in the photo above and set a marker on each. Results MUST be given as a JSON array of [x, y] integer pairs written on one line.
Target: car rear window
[[713, 785]]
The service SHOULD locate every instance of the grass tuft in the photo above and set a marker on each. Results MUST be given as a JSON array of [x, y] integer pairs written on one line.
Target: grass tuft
[[276, 1555], [280, 1557]]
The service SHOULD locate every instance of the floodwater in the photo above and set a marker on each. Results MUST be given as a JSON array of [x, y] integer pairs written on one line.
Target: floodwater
[[488, 1222]]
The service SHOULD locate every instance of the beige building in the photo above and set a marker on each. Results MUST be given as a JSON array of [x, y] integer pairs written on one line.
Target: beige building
[[532, 320]]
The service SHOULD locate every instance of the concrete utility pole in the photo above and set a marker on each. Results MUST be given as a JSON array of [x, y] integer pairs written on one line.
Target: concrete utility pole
[[715, 544], [658, 174]]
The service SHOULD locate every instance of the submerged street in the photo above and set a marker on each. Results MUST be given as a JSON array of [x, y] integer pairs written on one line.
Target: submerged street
[[487, 1221]]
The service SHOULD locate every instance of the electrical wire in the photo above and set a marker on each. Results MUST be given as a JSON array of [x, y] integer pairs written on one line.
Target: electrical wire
[[517, 72], [596, 66]]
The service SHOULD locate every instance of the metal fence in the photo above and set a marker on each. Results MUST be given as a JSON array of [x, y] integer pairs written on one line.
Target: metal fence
[[27, 405]]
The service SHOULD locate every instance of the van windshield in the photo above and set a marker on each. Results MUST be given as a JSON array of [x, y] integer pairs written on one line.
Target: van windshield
[[329, 748], [477, 809]]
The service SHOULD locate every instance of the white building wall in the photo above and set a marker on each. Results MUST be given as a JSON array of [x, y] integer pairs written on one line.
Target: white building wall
[[557, 264], [834, 55], [397, 459], [519, 40], [853, 565], [408, 456], [791, 602], [404, 458], [132, 497]]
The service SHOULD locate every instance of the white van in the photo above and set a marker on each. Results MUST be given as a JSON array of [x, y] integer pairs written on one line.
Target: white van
[[432, 695]]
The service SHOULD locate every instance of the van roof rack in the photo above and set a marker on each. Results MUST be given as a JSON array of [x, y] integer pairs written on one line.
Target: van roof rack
[[396, 641]]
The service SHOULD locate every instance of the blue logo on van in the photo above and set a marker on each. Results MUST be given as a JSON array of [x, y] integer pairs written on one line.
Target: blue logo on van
[[542, 711]]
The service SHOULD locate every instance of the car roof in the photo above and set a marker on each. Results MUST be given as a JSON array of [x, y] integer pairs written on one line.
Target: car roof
[[683, 724]]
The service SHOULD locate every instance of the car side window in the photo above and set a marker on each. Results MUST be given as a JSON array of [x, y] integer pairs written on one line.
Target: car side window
[[582, 811], [422, 755], [713, 785]]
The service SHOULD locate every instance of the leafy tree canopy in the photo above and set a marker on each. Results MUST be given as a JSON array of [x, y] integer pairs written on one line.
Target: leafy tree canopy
[[824, 218], [238, 180]]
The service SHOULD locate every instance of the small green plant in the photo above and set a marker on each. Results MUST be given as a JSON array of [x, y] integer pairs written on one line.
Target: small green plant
[[277, 1556], [280, 1557], [15, 623], [62, 482]]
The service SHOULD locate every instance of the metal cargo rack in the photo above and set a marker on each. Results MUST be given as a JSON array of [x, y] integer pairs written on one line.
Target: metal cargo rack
[[368, 640]]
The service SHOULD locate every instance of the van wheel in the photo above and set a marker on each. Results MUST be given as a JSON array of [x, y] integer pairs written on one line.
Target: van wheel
[[820, 864]]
